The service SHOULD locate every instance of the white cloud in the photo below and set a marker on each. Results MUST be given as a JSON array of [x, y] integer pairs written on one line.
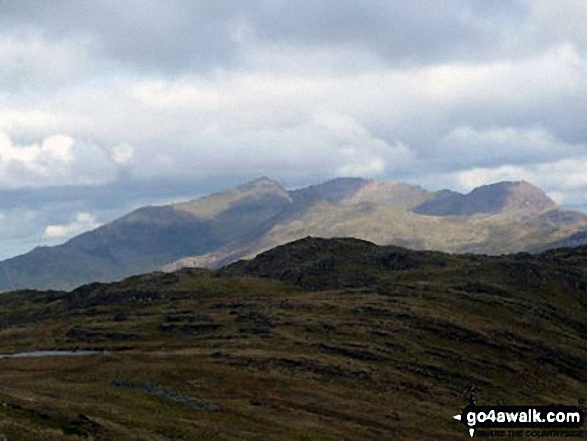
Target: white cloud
[[356, 151], [566, 174], [29, 120], [556, 21], [58, 147], [28, 58], [181, 93], [468, 147], [363, 167], [390, 121], [298, 109], [82, 222], [564, 180], [122, 153], [37, 156], [56, 161]]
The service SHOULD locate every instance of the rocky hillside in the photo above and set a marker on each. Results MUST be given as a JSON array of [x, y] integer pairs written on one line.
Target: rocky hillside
[[518, 199], [506, 217], [223, 227], [321, 339]]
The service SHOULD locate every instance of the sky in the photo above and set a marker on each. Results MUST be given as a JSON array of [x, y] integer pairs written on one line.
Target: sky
[[108, 105]]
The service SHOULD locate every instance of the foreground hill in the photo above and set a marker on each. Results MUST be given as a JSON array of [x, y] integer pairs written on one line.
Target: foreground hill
[[221, 228], [321, 339]]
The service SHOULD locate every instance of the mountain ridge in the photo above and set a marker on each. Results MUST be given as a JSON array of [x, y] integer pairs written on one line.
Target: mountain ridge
[[223, 227]]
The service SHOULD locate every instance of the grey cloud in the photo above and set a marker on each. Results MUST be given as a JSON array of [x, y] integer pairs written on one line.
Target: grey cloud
[[152, 35], [25, 214], [180, 35], [194, 88], [404, 32]]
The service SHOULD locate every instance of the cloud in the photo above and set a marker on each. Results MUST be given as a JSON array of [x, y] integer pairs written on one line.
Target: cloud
[[108, 105], [82, 222], [550, 23], [29, 120], [564, 180], [183, 36], [58, 160], [399, 122], [54, 148], [562, 175], [358, 152], [465, 147], [122, 153], [29, 59]]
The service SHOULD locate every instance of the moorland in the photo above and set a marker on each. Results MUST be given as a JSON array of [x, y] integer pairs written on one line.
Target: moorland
[[318, 339]]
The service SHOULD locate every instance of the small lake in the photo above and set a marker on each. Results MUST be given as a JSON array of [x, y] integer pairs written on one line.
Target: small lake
[[49, 354]]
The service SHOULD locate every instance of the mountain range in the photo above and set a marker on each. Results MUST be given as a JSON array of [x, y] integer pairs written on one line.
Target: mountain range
[[220, 228]]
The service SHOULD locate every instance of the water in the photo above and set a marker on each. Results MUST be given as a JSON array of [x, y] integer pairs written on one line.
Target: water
[[48, 354]]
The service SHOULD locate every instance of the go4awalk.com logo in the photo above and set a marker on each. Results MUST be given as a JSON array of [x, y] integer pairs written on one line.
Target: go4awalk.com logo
[[523, 421]]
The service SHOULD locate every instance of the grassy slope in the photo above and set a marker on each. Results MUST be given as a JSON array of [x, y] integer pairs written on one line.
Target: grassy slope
[[372, 343], [386, 224]]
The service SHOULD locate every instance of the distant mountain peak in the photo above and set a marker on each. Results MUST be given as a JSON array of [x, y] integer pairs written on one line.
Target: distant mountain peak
[[262, 183], [332, 191], [346, 180], [215, 204], [506, 186], [400, 194], [515, 198]]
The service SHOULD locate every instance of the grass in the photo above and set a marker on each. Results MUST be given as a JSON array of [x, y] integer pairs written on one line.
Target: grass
[[197, 355]]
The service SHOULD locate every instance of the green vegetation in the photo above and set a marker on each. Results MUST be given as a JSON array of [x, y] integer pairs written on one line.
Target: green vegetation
[[314, 340]]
